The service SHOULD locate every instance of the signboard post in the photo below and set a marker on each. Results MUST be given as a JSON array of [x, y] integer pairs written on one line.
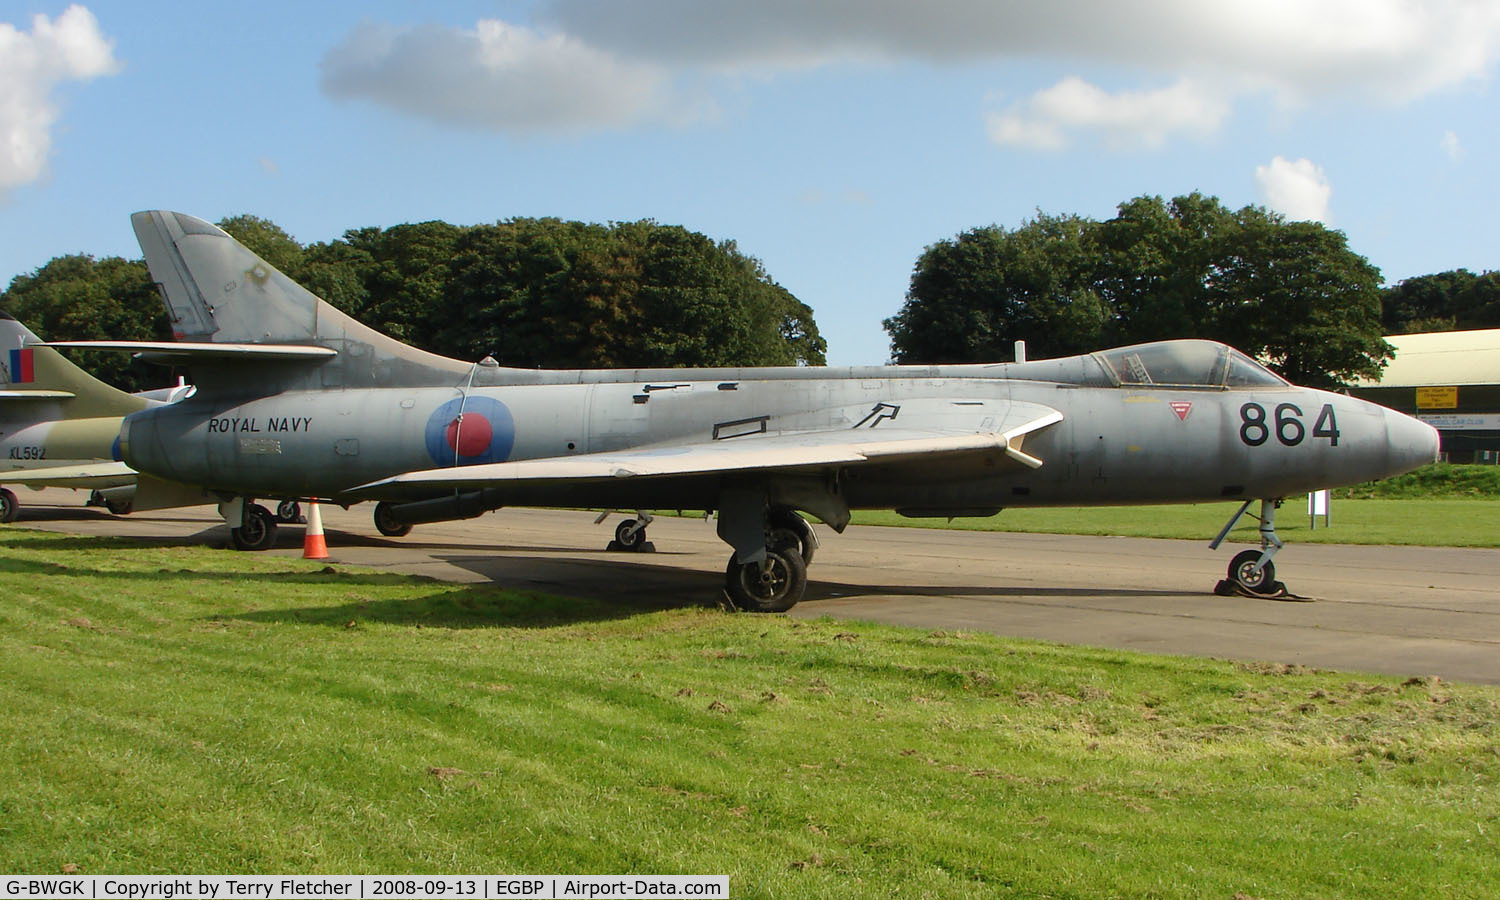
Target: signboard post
[[1317, 505]]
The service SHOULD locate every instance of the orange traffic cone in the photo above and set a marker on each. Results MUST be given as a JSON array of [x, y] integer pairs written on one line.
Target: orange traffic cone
[[313, 545]]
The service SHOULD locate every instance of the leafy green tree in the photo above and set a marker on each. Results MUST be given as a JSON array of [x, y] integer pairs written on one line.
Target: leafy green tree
[[972, 297], [534, 292], [80, 298], [547, 292], [1290, 293], [267, 240], [1456, 300], [1294, 295], [1160, 263]]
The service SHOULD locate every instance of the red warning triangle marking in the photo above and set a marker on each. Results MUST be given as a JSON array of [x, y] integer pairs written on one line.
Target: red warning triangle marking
[[1181, 408]]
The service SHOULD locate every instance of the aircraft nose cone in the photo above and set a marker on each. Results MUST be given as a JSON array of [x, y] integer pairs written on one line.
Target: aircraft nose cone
[[1411, 442]]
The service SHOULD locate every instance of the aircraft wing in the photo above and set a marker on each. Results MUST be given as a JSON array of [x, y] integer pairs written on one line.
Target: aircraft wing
[[81, 474], [786, 451]]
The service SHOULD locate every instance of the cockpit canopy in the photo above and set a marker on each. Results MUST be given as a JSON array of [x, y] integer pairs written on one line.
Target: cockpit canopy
[[1187, 363]]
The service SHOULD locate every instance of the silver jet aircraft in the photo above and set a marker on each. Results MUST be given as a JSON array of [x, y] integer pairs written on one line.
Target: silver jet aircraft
[[296, 400]]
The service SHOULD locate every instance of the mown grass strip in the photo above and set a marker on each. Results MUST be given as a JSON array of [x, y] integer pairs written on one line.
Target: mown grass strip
[[1423, 522], [189, 710]]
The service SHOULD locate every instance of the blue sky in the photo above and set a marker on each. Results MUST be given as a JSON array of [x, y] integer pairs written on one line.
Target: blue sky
[[831, 140]]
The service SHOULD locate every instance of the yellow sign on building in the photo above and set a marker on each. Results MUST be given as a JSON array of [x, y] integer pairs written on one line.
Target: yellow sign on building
[[1437, 398]]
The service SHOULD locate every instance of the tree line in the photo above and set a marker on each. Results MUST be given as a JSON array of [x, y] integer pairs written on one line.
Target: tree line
[[561, 294], [530, 292], [1290, 293]]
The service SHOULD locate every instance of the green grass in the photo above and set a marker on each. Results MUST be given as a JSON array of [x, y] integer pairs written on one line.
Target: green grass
[[1422, 521], [189, 710], [1437, 480]]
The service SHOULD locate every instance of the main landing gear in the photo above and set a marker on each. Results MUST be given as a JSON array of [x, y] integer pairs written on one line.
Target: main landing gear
[[1251, 571], [773, 547], [257, 528], [775, 579], [9, 505]]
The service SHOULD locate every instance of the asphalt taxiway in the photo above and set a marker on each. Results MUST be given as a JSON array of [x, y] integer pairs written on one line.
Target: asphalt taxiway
[[1395, 610]]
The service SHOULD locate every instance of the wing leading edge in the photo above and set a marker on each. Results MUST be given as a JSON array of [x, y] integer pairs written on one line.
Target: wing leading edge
[[787, 451]]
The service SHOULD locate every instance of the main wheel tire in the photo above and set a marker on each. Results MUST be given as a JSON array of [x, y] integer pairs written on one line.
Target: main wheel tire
[[787, 520], [629, 537], [774, 586], [9, 506], [1242, 572], [119, 507], [258, 531], [386, 524], [288, 511]]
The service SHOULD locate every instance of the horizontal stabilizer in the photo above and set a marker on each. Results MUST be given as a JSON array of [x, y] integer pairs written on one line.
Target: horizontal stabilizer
[[83, 474], [175, 352], [776, 452], [37, 395]]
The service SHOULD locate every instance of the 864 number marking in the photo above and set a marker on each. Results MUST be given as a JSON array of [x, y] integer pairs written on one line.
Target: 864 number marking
[[1286, 423]]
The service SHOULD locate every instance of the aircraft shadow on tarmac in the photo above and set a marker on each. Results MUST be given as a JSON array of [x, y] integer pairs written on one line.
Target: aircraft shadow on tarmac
[[608, 580], [458, 607], [837, 591], [60, 514], [579, 588]]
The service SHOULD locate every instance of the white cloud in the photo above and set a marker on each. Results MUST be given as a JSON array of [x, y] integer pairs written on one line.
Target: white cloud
[[32, 65], [496, 76], [591, 64], [1394, 48], [1126, 118], [1452, 146], [1298, 190]]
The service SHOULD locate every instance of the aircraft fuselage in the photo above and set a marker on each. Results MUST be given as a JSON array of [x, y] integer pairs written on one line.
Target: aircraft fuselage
[[1125, 444]]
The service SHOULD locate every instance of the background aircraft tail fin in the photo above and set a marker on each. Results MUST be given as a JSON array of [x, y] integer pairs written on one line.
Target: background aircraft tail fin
[[34, 373], [217, 290]]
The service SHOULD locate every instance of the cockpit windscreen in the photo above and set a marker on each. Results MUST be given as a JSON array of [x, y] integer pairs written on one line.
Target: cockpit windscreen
[[1191, 363]]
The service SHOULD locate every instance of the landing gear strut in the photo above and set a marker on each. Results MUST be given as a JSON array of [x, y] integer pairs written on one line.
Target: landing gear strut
[[791, 530], [1251, 571], [768, 571]]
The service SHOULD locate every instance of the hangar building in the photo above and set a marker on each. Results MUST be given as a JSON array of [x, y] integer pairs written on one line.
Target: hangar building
[[1450, 379]]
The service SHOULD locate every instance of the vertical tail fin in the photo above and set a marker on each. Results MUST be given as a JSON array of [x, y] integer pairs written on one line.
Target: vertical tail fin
[[29, 372], [216, 289]]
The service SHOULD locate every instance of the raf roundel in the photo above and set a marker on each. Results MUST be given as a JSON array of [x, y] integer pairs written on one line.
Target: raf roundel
[[468, 431]]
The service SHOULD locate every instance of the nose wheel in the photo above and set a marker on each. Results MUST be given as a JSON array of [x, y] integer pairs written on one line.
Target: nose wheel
[[1247, 571], [630, 535]]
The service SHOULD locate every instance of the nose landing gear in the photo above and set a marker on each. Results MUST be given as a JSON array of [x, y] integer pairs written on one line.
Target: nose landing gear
[[630, 535], [1251, 572]]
